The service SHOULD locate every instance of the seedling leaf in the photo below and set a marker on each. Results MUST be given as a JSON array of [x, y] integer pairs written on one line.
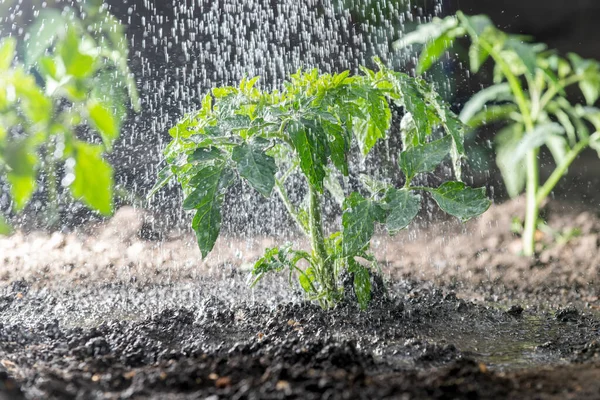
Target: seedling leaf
[[462, 201], [256, 167]]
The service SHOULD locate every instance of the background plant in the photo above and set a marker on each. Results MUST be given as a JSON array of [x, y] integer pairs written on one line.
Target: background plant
[[528, 97], [309, 128], [70, 75]]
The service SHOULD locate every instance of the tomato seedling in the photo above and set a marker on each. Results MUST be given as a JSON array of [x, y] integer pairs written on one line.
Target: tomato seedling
[[309, 127], [528, 97]]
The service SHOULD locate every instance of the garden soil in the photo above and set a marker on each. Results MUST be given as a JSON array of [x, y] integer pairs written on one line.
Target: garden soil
[[123, 310]]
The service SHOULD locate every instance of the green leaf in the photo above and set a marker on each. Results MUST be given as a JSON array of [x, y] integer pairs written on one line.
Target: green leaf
[[5, 228], [358, 221], [339, 146], [93, 183], [208, 188], [424, 157], [427, 32], [205, 183], [526, 53], [306, 279], [513, 171], [207, 223], [164, 176], [432, 51], [7, 53], [475, 25], [361, 283], [22, 161], [403, 206], [368, 131], [461, 201], [311, 146], [256, 167], [590, 70], [203, 154], [104, 122], [477, 56], [536, 138], [76, 63], [499, 92], [42, 32], [414, 102]]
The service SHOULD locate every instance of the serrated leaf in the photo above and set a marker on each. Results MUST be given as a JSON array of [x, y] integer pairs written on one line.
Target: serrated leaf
[[207, 193], [513, 171], [358, 221], [361, 282], [256, 167], [205, 185], [414, 102], [403, 206], [424, 157], [499, 92], [339, 146], [368, 131], [93, 183], [311, 146], [460, 200]]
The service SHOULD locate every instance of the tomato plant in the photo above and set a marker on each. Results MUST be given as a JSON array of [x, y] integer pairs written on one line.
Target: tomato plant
[[528, 97], [309, 128], [68, 79]]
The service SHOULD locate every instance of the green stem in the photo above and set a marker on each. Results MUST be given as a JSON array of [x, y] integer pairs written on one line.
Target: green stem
[[532, 210], [289, 206], [317, 239], [559, 171], [51, 178]]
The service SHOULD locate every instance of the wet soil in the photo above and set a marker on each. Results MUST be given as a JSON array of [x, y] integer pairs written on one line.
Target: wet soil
[[123, 315]]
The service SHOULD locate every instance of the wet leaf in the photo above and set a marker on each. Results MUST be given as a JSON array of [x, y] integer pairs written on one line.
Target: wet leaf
[[311, 147], [461, 201], [20, 156], [256, 167], [93, 183], [42, 32], [513, 171], [5, 228], [164, 177], [358, 221], [361, 282], [424, 157], [7, 52], [104, 122], [403, 206], [499, 92], [432, 51]]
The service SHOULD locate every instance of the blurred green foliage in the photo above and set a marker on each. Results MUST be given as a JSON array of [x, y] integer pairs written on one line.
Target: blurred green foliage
[[64, 92], [528, 98]]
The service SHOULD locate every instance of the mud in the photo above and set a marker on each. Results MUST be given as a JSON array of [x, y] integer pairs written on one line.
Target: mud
[[83, 316]]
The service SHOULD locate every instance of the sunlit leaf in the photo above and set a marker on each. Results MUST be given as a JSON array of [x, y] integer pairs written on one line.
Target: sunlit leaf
[[164, 177], [104, 122], [93, 183], [432, 51], [5, 228], [7, 52], [20, 157], [499, 92], [311, 146]]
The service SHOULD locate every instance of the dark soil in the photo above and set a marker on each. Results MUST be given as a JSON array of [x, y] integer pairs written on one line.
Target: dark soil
[[127, 317]]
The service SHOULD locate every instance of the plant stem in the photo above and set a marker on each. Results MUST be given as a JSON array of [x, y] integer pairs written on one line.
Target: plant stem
[[51, 178], [289, 206], [559, 171], [532, 209], [326, 270]]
